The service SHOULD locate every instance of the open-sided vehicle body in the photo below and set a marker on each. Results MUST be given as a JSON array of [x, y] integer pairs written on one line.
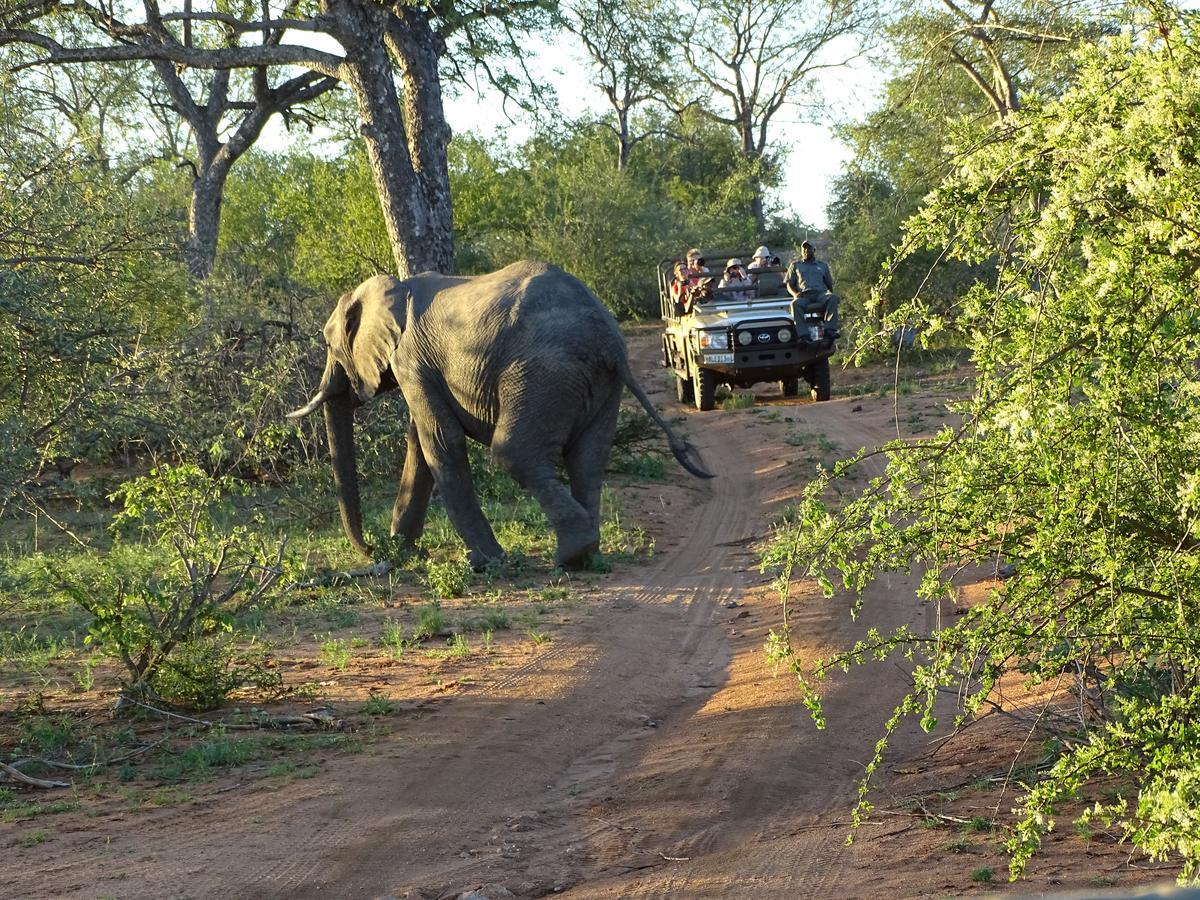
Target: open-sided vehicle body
[[741, 337]]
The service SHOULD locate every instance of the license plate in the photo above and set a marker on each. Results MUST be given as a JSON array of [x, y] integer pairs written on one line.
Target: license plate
[[718, 358]]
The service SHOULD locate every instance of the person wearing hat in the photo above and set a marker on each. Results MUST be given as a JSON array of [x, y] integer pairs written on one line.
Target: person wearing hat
[[810, 283], [769, 284], [762, 259], [695, 265], [736, 277]]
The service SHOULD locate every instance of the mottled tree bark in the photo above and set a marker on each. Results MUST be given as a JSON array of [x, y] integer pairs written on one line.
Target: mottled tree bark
[[418, 49]]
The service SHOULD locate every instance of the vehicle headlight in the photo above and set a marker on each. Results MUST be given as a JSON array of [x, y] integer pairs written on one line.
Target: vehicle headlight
[[745, 337], [785, 335], [714, 340]]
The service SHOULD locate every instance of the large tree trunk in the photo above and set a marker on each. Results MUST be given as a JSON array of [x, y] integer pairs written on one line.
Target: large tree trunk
[[418, 49], [204, 219], [417, 244], [753, 153], [624, 145]]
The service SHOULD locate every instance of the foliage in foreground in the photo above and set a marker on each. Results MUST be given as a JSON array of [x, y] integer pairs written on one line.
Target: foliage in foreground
[[162, 626], [1076, 457]]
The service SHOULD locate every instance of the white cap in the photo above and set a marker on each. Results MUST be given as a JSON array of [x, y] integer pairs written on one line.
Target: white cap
[[762, 253]]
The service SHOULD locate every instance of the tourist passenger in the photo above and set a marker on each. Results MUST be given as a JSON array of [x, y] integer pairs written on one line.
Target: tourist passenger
[[695, 265], [736, 277], [769, 284], [810, 283], [679, 285]]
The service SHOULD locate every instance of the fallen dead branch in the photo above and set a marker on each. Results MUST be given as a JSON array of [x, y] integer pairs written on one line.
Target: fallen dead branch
[[318, 718], [15, 774]]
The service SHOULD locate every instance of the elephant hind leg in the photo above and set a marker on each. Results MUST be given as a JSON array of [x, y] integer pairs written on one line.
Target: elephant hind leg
[[587, 458], [534, 469]]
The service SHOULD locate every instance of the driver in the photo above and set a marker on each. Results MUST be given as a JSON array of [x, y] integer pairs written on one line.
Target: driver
[[810, 283]]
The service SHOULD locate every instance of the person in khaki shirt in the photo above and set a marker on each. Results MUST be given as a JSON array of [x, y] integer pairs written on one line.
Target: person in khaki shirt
[[810, 283]]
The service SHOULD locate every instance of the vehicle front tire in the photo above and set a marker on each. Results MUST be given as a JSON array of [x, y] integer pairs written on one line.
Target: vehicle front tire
[[790, 387], [706, 390], [819, 378], [684, 392]]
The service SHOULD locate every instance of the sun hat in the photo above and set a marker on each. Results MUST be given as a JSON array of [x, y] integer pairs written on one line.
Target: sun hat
[[733, 262], [762, 253]]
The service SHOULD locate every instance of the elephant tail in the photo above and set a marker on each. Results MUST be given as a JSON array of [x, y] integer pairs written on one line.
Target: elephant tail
[[688, 456]]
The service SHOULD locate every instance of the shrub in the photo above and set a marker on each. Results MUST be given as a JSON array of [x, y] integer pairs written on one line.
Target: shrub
[[1075, 459], [448, 579], [191, 586]]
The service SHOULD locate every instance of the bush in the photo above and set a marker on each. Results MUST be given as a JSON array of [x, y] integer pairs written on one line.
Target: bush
[[1076, 458], [201, 674], [448, 579], [154, 615]]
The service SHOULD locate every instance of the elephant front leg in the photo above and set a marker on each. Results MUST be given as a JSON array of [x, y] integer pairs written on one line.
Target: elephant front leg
[[446, 455], [416, 487]]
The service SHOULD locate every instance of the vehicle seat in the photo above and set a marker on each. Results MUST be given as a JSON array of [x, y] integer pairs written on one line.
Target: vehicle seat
[[770, 284]]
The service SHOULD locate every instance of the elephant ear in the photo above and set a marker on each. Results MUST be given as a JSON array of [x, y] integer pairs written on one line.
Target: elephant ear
[[365, 330]]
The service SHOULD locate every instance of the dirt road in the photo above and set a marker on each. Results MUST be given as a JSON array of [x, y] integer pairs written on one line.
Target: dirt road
[[650, 751]]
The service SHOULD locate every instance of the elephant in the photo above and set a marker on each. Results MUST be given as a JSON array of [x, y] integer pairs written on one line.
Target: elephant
[[525, 360]]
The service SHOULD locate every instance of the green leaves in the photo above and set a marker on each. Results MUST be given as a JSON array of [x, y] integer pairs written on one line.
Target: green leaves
[[1076, 456]]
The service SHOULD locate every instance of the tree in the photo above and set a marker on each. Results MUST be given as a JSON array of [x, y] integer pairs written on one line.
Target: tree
[[1074, 461], [1002, 47], [406, 141], [747, 59], [628, 62], [223, 124], [932, 101]]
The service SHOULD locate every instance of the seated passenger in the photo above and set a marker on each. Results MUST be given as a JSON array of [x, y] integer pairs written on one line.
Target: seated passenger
[[770, 284], [762, 259], [810, 283], [735, 277], [695, 265], [679, 286]]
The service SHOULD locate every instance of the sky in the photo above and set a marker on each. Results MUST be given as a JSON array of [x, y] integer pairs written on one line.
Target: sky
[[814, 156]]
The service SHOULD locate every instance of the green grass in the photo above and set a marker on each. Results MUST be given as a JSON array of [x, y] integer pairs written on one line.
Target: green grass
[[48, 734], [378, 705], [431, 621], [207, 758], [395, 639], [738, 400], [33, 838], [983, 875], [448, 579], [335, 652], [25, 650], [958, 845], [978, 824], [19, 810]]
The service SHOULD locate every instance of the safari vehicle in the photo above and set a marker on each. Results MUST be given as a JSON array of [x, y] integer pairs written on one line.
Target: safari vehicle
[[719, 338]]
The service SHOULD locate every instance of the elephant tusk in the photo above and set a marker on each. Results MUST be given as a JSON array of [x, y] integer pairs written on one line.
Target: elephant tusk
[[308, 407]]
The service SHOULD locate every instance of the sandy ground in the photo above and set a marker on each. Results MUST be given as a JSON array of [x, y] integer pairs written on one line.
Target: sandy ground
[[648, 751]]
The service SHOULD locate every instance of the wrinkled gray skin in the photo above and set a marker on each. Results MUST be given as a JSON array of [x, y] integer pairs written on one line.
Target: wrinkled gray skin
[[525, 360]]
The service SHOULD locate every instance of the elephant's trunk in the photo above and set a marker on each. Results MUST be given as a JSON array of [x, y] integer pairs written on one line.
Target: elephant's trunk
[[339, 426]]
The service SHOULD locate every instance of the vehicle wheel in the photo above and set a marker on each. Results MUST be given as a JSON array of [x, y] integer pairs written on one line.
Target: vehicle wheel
[[683, 389], [791, 387], [818, 377], [706, 390]]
